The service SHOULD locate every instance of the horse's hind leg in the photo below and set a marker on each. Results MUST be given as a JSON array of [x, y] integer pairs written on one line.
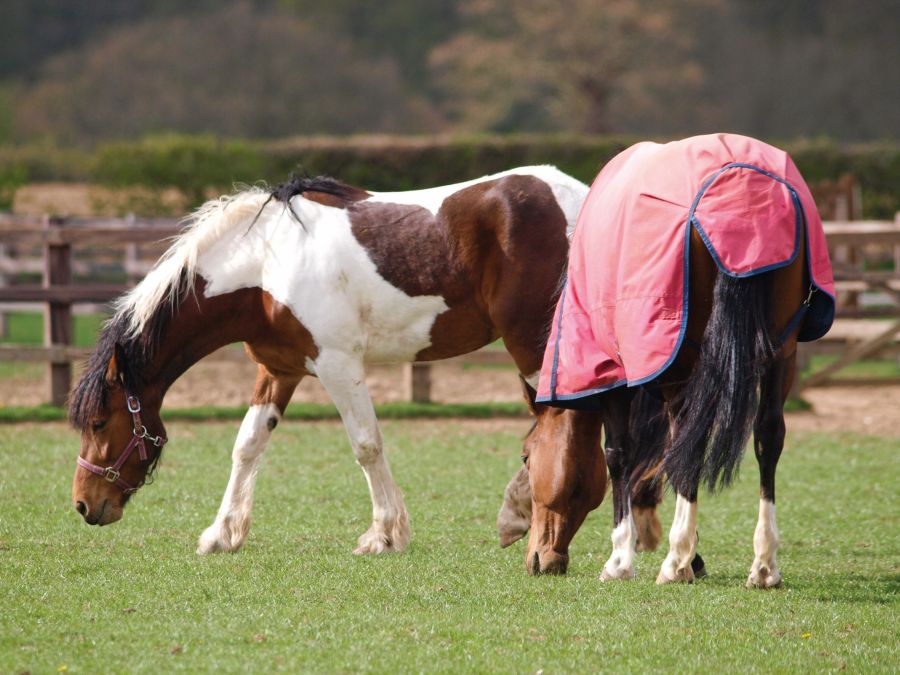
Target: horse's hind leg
[[619, 459], [768, 441], [270, 397], [343, 377], [645, 497]]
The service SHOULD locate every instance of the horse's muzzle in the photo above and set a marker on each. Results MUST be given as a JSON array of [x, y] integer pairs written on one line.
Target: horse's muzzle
[[105, 514], [548, 563]]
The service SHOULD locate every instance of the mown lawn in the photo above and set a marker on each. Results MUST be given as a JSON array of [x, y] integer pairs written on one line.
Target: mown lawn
[[135, 597]]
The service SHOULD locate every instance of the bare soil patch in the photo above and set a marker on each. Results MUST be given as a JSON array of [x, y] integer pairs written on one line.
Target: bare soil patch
[[864, 410]]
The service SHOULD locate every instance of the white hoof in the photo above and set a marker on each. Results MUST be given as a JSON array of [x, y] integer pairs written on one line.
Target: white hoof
[[223, 537], [617, 569], [381, 539], [673, 572], [762, 576]]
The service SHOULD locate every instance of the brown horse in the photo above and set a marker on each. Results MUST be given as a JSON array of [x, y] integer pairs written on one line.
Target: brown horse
[[319, 279], [699, 380]]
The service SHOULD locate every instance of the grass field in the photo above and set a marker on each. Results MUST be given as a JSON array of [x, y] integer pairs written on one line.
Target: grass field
[[135, 597]]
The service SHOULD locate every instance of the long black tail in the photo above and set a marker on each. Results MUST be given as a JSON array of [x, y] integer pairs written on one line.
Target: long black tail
[[719, 401]]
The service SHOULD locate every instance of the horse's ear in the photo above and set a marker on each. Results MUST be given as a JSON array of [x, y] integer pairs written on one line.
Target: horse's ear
[[529, 393], [115, 371]]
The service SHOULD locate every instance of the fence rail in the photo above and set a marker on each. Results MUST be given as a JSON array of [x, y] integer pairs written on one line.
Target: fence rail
[[850, 242]]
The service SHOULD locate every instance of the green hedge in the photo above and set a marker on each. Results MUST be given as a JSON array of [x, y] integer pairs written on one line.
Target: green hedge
[[198, 164]]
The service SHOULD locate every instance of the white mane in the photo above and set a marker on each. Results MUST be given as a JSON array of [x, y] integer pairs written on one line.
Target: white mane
[[209, 223]]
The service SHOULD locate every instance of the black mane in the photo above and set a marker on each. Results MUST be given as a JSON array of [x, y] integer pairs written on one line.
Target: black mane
[[296, 185], [90, 397]]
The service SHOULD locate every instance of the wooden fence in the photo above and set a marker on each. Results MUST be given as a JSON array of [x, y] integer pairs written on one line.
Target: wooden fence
[[49, 244]]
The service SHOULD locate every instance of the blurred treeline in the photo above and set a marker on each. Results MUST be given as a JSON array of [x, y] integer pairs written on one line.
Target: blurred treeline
[[80, 72]]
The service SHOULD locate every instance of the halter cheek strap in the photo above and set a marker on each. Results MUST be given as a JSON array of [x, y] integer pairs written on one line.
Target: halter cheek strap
[[139, 435]]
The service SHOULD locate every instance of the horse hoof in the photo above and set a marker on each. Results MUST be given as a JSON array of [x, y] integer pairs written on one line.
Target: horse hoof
[[215, 540], [514, 518], [377, 541], [698, 567], [552, 563], [682, 575], [508, 538], [764, 578], [374, 545], [617, 574]]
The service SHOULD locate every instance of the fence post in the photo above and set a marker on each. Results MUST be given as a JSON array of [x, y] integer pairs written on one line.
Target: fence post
[[57, 315], [804, 358], [417, 382], [132, 256], [4, 328]]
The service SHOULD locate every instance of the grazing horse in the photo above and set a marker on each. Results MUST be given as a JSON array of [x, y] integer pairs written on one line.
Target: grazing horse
[[320, 278], [695, 268]]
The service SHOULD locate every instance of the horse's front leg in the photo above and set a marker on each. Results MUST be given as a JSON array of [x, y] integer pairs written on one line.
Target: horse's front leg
[[232, 524], [343, 377], [768, 441]]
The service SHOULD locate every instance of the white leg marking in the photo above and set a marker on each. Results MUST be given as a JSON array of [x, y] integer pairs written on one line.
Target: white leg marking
[[624, 540], [344, 378], [764, 572], [682, 544], [232, 523]]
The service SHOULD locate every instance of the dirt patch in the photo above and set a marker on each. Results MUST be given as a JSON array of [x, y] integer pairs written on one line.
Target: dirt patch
[[868, 410], [862, 410]]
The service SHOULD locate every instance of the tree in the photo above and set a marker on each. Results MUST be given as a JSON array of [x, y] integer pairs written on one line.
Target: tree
[[582, 65], [238, 71]]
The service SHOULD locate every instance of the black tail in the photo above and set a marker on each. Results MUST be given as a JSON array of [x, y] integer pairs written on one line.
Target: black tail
[[719, 401]]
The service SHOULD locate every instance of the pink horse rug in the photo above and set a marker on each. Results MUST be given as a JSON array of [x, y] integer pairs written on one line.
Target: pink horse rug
[[622, 314]]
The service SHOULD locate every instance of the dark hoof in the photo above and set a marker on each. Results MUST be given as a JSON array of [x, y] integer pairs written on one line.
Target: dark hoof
[[698, 567], [553, 563]]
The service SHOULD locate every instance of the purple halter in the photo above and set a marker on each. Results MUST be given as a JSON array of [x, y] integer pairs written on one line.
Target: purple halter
[[139, 435]]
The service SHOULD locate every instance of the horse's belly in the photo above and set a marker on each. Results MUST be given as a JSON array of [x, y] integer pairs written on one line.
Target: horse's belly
[[366, 316], [394, 341]]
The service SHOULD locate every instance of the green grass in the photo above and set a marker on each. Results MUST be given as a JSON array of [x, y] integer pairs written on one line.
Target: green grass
[[27, 328], [296, 411], [865, 368], [135, 597]]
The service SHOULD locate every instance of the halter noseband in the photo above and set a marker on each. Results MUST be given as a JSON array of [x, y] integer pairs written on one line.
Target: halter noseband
[[139, 435]]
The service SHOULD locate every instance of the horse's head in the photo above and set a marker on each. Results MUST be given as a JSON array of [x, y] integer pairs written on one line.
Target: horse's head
[[121, 440], [567, 472]]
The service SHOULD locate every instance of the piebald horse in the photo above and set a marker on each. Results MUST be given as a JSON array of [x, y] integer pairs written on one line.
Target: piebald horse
[[319, 278]]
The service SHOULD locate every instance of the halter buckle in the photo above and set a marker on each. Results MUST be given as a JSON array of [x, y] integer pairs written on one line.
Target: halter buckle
[[134, 405], [143, 434], [110, 474]]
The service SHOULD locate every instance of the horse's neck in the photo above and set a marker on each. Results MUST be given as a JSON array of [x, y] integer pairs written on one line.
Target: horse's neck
[[201, 325]]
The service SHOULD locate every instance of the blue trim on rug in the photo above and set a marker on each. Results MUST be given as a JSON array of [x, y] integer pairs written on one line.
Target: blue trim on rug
[[579, 395], [562, 306], [825, 325], [692, 221]]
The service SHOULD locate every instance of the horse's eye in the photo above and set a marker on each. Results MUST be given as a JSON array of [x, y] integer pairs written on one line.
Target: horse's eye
[[98, 425]]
